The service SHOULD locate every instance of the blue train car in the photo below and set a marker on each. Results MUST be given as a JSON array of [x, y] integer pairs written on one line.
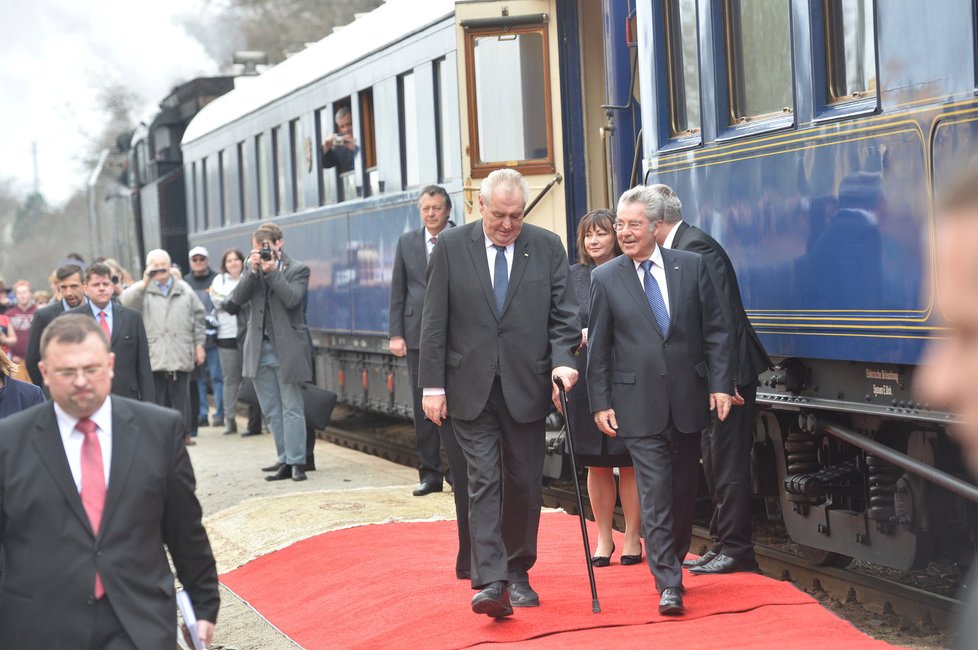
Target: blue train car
[[809, 138]]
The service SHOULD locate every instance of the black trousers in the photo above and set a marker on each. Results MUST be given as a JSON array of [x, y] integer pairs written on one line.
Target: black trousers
[[425, 431], [460, 490], [505, 469], [666, 471], [173, 390], [107, 630], [726, 450]]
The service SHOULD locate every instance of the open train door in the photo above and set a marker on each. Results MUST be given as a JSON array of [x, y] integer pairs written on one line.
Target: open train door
[[533, 95]]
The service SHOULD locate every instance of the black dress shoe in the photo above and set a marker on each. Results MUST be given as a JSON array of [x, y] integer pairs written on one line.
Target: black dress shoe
[[521, 594], [427, 487], [283, 472], [297, 473], [703, 559], [724, 564], [493, 601], [671, 602], [602, 560], [245, 434], [272, 468]]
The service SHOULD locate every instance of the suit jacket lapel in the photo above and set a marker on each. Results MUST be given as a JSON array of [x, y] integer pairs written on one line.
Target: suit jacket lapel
[[117, 323], [521, 259], [420, 252], [123, 449], [629, 277], [477, 251], [680, 231], [51, 449]]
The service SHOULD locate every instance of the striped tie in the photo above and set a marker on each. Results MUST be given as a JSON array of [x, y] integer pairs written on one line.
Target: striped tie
[[654, 295]]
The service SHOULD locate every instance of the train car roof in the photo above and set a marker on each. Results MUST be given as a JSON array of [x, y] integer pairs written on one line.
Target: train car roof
[[390, 22]]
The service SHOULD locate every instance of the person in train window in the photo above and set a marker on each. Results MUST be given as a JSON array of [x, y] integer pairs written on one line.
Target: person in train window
[[658, 362], [726, 445], [408, 280], [499, 324], [596, 244], [949, 371], [340, 149]]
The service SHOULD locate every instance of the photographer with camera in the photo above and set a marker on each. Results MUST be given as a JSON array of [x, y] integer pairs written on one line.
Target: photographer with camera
[[340, 149], [277, 354], [174, 320]]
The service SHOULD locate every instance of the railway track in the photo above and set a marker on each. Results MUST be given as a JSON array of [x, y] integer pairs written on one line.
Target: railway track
[[885, 597]]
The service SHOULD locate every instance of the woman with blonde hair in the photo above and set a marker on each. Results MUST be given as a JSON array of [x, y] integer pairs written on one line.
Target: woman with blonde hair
[[15, 395]]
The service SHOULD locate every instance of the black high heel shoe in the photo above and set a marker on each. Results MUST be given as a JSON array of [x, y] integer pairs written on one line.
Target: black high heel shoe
[[601, 560], [628, 560]]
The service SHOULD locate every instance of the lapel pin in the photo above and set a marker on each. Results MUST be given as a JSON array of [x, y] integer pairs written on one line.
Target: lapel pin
[[526, 254], [675, 268]]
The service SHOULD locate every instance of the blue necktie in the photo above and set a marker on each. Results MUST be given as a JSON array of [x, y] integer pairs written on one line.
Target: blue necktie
[[654, 295], [500, 278]]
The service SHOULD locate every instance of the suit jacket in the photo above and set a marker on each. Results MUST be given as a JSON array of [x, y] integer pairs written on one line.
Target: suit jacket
[[133, 374], [465, 343], [42, 317], [408, 282], [17, 396], [52, 555], [640, 374], [749, 357], [282, 294]]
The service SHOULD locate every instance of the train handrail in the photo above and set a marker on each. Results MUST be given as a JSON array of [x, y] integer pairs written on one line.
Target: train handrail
[[932, 474], [556, 179]]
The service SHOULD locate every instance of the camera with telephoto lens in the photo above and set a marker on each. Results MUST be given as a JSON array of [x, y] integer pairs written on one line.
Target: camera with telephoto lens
[[266, 251]]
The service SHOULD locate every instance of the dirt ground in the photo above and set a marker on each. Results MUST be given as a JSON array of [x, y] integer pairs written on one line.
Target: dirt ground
[[247, 516]]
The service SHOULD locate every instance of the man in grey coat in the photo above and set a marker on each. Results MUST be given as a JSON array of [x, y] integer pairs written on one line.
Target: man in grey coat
[[276, 351], [500, 322]]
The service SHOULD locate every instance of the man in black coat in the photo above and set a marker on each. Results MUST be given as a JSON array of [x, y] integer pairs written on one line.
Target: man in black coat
[[726, 445], [500, 322], [69, 277], [658, 362], [133, 376]]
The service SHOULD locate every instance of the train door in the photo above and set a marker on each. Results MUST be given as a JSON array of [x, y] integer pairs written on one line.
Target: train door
[[540, 90]]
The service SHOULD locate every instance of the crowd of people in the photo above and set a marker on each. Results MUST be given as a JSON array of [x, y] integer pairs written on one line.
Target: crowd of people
[[647, 333]]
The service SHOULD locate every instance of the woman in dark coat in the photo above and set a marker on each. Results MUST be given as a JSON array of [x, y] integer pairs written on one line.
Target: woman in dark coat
[[15, 395], [597, 244]]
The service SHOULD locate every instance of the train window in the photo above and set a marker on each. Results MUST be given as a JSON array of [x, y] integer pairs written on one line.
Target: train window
[[509, 99], [408, 117], [264, 189], [850, 52], [325, 131], [201, 182], [142, 160], [758, 40], [301, 162], [244, 173], [339, 152], [368, 146], [215, 192], [193, 219], [279, 158], [444, 108], [683, 67], [226, 158]]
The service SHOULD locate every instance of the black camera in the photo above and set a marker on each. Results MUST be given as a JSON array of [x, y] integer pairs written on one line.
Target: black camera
[[156, 271], [266, 251]]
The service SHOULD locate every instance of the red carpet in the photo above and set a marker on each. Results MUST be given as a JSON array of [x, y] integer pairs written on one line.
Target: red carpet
[[393, 586]]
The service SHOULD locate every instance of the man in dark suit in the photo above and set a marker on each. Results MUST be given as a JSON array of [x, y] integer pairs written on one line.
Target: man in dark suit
[[948, 375], [500, 321], [92, 488], [132, 375], [658, 362], [69, 277], [726, 445], [408, 281], [277, 354]]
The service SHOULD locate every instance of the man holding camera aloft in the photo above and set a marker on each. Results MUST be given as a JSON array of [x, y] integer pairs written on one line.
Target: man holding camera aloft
[[174, 320], [277, 353]]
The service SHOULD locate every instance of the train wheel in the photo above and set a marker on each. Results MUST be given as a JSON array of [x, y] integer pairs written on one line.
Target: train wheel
[[825, 558]]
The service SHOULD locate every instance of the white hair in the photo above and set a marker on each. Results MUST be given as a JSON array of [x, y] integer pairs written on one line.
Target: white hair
[[508, 177], [158, 254], [650, 198]]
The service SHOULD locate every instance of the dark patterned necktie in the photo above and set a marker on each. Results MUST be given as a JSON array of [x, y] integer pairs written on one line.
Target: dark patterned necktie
[[500, 278], [654, 295]]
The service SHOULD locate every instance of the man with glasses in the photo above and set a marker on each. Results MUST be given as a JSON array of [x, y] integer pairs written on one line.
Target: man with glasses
[[658, 362], [94, 487], [133, 376]]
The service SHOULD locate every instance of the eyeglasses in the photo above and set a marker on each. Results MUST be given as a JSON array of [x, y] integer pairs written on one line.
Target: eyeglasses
[[198, 258], [634, 226], [69, 374]]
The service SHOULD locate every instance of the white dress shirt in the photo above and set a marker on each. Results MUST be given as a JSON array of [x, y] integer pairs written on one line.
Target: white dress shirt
[[491, 258], [428, 245], [73, 439], [671, 237], [658, 273], [108, 314]]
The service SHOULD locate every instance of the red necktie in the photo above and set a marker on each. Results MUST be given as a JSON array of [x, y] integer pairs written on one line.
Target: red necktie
[[93, 482], [104, 325]]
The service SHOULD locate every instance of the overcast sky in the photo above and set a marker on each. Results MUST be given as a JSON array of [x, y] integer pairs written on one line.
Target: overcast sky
[[54, 57]]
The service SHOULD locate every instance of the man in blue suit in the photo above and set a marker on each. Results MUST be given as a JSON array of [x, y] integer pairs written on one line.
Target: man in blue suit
[[658, 362]]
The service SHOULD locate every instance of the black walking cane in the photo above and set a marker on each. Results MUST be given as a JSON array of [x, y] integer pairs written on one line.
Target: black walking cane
[[595, 606]]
